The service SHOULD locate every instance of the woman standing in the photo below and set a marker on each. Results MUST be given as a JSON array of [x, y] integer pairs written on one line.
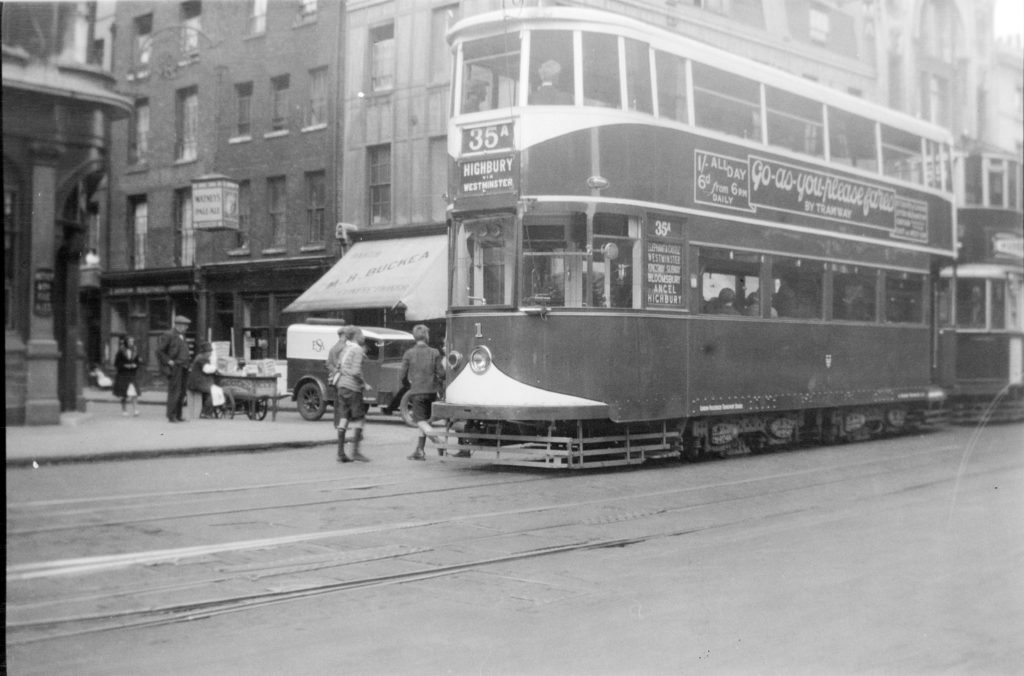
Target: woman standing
[[126, 384]]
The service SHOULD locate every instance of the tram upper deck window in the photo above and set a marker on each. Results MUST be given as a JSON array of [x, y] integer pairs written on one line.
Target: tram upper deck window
[[552, 80], [901, 155], [795, 122], [798, 288], [996, 172], [554, 261], [970, 303], [937, 172], [726, 102], [638, 76], [853, 294], [904, 298], [852, 140], [490, 73], [671, 73], [1013, 176], [730, 282], [972, 180], [484, 262], [601, 70]]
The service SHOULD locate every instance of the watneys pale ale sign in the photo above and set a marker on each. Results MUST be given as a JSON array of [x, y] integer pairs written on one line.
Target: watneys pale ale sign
[[214, 203]]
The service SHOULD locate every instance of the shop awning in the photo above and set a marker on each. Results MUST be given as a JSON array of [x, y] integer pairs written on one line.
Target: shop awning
[[412, 271]]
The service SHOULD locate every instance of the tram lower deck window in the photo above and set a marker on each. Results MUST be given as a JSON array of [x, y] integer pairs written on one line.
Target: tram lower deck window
[[904, 298], [798, 288], [853, 294], [730, 282]]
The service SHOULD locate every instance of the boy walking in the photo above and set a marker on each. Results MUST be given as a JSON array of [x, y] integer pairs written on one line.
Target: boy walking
[[423, 370]]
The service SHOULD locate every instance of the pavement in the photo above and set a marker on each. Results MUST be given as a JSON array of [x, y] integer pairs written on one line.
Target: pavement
[[102, 433]]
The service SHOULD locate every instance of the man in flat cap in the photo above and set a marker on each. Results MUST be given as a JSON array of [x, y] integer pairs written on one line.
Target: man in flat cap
[[172, 353], [548, 93]]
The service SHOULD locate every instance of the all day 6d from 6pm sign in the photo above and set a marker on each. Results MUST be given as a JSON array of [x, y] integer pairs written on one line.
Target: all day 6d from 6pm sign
[[747, 183], [491, 166]]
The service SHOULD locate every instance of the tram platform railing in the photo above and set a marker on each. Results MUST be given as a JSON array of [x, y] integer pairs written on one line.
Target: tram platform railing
[[560, 452]]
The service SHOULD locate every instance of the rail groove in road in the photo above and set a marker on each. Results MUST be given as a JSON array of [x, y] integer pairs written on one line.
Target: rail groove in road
[[92, 564], [21, 629]]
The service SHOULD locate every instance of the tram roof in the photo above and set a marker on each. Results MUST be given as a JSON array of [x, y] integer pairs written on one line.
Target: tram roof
[[489, 23]]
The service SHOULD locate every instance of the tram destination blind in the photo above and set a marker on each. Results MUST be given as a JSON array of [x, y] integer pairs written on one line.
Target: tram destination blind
[[664, 274]]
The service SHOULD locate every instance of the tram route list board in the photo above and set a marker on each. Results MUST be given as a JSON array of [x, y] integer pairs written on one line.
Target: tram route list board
[[664, 274]]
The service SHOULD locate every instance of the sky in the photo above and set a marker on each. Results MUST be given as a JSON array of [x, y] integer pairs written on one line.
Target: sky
[[1009, 17]]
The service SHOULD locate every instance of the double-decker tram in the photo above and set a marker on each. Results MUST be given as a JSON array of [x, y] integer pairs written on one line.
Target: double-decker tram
[[660, 248], [981, 298]]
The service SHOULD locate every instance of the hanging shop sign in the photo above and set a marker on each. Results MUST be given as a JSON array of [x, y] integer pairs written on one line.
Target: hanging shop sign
[[214, 203]]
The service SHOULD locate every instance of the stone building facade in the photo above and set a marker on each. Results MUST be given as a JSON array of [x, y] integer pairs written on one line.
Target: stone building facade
[[57, 104]]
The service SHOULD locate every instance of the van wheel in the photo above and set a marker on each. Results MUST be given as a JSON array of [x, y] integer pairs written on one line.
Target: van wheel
[[310, 401]]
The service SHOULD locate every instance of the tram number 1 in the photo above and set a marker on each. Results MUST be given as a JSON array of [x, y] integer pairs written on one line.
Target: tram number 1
[[478, 333]]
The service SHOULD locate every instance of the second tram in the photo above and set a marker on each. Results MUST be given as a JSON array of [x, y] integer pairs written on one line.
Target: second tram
[[981, 299], [660, 249]]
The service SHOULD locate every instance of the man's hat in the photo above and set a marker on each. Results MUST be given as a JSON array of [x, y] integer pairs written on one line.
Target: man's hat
[[182, 319]]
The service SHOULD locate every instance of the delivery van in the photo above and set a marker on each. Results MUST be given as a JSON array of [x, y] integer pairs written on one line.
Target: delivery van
[[308, 346]]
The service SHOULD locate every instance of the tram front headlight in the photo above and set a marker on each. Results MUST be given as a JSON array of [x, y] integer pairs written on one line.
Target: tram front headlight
[[480, 360], [454, 359]]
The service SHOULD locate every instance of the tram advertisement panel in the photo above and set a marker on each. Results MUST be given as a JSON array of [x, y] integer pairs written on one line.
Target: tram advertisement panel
[[685, 169], [755, 181]]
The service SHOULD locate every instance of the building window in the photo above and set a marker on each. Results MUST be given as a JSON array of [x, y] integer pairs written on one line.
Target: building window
[[11, 258], [277, 210], [243, 94], [191, 26], [382, 58], [258, 17], [315, 199], [138, 147], [307, 11], [819, 25], [244, 213], [143, 44], [379, 158], [317, 112], [440, 20], [184, 233], [187, 124], [139, 212], [279, 103]]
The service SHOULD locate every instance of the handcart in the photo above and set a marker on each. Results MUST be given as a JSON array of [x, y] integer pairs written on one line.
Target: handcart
[[256, 394]]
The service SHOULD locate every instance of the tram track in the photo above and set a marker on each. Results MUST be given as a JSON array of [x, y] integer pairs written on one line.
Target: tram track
[[212, 607], [145, 503], [21, 629]]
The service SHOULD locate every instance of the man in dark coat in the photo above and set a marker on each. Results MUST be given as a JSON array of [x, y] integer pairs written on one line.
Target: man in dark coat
[[172, 353]]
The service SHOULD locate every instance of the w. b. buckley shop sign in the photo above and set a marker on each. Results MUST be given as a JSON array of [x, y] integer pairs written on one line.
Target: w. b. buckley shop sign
[[746, 184]]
